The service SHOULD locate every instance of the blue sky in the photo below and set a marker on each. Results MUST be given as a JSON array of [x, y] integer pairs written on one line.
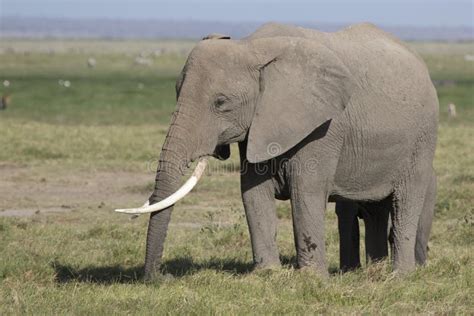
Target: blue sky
[[387, 12]]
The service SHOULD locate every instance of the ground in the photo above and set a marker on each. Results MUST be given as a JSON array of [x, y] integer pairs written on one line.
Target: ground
[[70, 155]]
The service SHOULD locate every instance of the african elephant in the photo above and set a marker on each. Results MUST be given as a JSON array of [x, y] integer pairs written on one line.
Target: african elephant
[[350, 115]]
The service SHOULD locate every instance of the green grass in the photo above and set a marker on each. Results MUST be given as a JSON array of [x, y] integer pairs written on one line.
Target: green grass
[[55, 142], [109, 94]]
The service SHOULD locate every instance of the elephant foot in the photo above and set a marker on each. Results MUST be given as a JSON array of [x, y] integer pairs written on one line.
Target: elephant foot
[[267, 270], [271, 265], [317, 267], [421, 254], [402, 265]]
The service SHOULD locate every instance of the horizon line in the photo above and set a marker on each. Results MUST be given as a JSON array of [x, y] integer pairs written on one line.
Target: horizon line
[[177, 20]]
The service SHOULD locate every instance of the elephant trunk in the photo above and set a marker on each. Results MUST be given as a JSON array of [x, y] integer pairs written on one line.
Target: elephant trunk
[[158, 224], [174, 159]]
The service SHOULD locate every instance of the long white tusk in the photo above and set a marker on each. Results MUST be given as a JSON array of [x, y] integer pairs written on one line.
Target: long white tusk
[[173, 198], [137, 215]]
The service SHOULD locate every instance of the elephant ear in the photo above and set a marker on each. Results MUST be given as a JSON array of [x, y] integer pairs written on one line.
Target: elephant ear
[[301, 87]]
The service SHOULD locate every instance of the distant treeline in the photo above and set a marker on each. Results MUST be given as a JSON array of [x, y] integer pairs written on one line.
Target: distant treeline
[[27, 27]]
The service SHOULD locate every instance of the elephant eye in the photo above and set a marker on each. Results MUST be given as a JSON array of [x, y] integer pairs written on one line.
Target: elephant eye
[[220, 100]]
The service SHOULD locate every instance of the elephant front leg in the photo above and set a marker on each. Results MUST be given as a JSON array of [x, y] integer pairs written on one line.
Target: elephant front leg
[[348, 226], [259, 204], [258, 195], [308, 224]]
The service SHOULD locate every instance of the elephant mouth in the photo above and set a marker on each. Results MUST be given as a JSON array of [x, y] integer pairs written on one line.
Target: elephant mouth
[[173, 198], [222, 152]]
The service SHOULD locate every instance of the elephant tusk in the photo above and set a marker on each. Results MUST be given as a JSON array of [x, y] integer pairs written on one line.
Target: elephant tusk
[[137, 215], [173, 198]]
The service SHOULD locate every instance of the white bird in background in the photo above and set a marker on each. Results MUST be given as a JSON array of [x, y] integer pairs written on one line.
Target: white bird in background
[[91, 62], [452, 110]]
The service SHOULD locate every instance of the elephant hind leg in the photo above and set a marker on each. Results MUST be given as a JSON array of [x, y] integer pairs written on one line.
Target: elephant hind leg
[[348, 225], [375, 216], [424, 224], [409, 197]]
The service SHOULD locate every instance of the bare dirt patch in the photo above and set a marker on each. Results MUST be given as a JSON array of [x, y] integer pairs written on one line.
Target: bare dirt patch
[[26, 190]]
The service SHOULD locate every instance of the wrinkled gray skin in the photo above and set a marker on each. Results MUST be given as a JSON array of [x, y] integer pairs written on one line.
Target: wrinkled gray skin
[[351, 115]]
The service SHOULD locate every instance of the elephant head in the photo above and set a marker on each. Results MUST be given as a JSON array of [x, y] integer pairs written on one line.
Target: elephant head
[[273, 92]]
